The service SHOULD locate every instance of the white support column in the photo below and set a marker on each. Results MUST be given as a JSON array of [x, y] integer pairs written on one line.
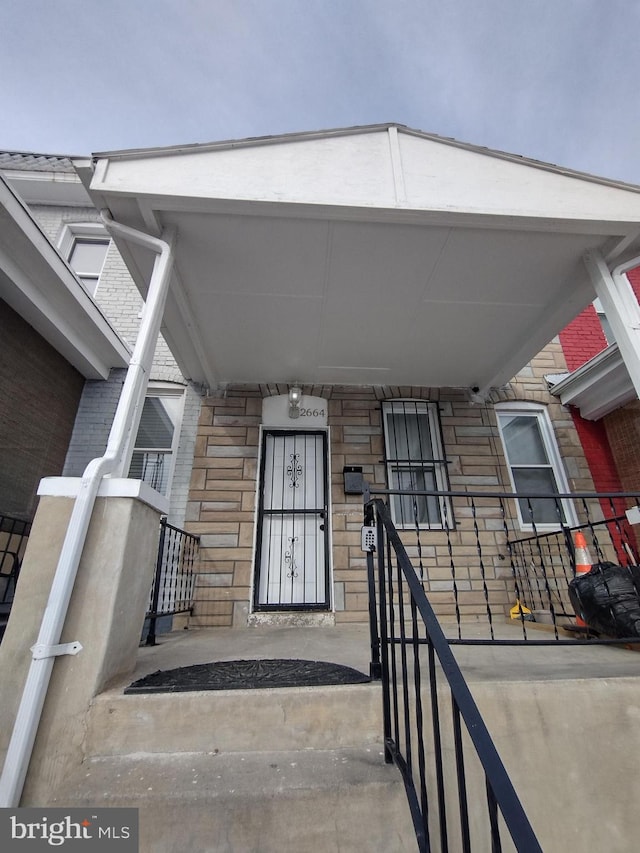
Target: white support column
[[622, 310]]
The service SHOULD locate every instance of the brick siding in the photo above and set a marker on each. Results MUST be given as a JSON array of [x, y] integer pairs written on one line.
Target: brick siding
[[582, 339], [611, 444], [623, 431], [37, 415]]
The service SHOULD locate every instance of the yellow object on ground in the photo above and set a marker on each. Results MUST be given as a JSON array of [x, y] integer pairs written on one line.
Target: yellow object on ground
[[519, 610]]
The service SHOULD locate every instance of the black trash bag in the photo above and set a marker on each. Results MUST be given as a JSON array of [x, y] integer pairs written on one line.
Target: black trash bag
[[608, 599]]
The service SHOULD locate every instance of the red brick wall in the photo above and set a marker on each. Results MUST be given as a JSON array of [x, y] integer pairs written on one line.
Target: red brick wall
[[623, 431], [601, 457], [623, 427], [634, 278], [610, 445], [582, 338]]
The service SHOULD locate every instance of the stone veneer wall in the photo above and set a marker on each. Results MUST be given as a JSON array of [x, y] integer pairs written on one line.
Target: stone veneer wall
[[223, 489]]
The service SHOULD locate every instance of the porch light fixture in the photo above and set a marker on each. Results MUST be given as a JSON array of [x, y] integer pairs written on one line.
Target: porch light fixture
[[295, 395]]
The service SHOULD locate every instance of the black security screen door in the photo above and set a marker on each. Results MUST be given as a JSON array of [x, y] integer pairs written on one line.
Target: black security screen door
[[292, 552]]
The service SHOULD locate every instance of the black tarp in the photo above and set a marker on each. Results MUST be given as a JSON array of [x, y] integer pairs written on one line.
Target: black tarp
[[608, 599]]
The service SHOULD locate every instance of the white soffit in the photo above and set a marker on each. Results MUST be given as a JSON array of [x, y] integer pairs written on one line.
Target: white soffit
[[40, 287], [48, 188], [598, 387], [374, 255]]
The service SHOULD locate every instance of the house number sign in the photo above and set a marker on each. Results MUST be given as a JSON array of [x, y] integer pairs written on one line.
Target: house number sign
[[313, 412]]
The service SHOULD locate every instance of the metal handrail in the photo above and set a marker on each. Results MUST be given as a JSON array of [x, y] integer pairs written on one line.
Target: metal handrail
[[14, 533], [170, 593], [536, 568], [501, 795]]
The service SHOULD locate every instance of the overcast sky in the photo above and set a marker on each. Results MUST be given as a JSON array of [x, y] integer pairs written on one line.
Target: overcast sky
[[556, 80]]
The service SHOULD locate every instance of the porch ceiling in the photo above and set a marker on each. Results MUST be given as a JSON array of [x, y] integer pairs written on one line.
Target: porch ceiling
[[374, 255]]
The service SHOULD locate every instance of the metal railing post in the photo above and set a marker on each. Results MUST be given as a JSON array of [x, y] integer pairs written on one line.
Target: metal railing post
[[151, 634], [375, 670]]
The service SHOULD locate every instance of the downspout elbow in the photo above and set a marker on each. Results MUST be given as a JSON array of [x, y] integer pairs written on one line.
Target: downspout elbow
[[626, 267]]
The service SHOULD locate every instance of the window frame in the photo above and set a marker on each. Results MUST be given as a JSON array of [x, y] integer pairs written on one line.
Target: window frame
[[162, 390], [84, 232], [555, 463], [437, 464]]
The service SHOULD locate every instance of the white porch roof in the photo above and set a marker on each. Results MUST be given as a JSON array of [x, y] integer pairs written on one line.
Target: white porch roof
[[598, 387], [374, 255]]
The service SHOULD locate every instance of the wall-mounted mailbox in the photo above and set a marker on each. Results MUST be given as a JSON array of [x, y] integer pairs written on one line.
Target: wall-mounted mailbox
[[353, 480]]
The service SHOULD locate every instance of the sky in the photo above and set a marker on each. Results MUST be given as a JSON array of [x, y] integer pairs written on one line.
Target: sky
[[554, 80]]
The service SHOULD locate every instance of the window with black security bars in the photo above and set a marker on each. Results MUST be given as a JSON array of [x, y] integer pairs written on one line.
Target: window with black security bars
[[415, 463]]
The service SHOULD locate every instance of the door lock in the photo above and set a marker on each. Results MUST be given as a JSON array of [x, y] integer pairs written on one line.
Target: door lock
[[368, 538]]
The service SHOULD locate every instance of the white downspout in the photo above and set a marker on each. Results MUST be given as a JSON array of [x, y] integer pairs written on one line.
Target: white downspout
[[131, 398]]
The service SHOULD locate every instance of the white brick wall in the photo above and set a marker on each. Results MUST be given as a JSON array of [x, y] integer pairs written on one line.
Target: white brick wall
[[52, 218], [93, 422], [184, 458]]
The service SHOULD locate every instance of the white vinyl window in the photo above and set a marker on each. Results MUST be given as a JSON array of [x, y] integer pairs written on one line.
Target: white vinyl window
[[535, 466], [157, 439], [414, 459], [85, 245]]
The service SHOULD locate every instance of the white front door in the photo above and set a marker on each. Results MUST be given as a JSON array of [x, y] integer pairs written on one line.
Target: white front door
[[292, 542]]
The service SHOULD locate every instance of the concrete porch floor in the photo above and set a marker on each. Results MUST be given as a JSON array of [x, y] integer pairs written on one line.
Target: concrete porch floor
[[563, 719], [349, 645]]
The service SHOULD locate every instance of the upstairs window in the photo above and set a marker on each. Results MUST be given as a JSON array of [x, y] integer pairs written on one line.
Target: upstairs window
[[414, 459], [85, 245], [534, 465], [156, 442]]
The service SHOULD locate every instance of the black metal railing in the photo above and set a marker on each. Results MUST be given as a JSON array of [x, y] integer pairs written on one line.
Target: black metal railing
[[175, 576], [491, 581], [544, 563], [14, 533], [459, 793]]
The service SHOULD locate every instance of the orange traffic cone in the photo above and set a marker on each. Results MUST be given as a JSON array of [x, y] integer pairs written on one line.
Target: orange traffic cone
[[583, 565]]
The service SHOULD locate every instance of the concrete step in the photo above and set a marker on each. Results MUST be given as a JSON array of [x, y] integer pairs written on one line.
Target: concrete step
[[290, 718], [301, 801]]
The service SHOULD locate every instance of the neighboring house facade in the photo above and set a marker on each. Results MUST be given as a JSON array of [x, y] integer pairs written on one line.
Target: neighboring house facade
[[62, 209], [603, 402], [343, 304], [54, 340]]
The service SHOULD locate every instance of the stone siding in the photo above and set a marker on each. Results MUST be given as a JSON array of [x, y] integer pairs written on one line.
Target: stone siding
[[222, 497]]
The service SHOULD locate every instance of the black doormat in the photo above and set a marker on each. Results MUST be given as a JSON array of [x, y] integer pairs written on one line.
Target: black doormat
[[247, 674]]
